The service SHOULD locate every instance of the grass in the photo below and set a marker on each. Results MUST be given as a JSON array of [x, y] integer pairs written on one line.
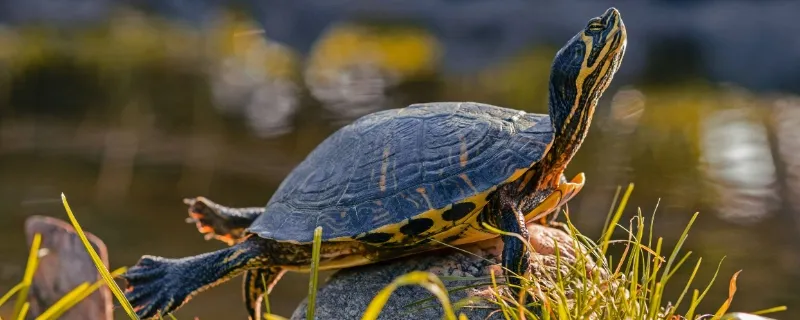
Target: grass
[[631, 288], [312, 283]]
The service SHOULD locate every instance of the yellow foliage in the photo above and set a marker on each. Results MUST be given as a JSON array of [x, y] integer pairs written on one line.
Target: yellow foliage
[[406, 51]]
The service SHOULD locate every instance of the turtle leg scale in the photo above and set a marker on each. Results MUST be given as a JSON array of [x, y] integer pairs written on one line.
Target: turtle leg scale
[[159, 286]]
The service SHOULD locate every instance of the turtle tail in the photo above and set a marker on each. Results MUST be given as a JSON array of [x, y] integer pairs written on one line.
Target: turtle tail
[[158, 286]]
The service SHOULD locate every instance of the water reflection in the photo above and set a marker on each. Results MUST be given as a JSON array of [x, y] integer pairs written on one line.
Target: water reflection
[[352, 67], [786, 123], [254, 79], [739, 164]]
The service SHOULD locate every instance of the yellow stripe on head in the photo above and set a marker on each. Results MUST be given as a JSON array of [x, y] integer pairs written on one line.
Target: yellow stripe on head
[[581, 72]]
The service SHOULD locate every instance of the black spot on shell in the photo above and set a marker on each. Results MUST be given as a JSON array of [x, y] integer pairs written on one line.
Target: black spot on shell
[[377, 237], [458, 211], [416, 226]]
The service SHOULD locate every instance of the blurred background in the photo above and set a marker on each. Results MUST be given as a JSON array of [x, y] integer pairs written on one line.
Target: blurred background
[[129, 106]]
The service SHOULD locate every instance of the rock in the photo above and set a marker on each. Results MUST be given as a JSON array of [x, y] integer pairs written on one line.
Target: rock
[[348, 292]]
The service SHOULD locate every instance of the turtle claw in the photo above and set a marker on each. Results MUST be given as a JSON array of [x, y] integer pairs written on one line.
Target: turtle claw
[[150, 288], [209, 222]]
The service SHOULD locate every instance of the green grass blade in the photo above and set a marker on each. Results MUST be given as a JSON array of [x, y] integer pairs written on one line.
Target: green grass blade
[[610, 213], [615, 219], [656, 288], [422, 301], [465, 278], [27, 278], [690, 313], [496, 293], [770, 310], [101, 268], [427, 280], [466, 302], [23, 311], [686, 288], [696, 302], [678, 265], [678, 247], [266, 295], [312, 283], [11, 293]]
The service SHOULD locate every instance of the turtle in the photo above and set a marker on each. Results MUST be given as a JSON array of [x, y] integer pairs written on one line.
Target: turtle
[[228, 225], [403, 181]]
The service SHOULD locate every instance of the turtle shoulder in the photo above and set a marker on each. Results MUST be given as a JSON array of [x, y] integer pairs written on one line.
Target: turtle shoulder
[[392, 165]]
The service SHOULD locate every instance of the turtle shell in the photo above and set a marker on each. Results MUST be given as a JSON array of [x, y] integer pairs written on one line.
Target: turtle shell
[[389, 167]]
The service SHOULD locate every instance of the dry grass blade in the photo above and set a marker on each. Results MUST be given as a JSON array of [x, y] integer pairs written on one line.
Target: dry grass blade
[[731, 292], [101, 268]]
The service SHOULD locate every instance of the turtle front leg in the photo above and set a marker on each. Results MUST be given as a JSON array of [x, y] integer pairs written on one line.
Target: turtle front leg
[[256, 284], [220, 222], [158, 286], [516, 258], [515, 255]]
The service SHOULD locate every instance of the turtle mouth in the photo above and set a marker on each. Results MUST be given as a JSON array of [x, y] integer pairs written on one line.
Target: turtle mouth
[[612, 18], [618, 34]]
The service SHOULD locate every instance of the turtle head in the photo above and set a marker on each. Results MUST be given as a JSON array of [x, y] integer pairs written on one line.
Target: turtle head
[[582, 70]]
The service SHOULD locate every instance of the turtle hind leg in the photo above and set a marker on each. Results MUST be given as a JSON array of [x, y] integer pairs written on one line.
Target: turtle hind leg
[[158, 286], [220, 222], [258, 283]]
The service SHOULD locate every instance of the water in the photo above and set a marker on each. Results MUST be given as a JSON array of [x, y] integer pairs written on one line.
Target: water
[[128, 130]]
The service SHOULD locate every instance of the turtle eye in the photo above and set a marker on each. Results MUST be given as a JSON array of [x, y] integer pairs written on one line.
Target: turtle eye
[[595, 26]]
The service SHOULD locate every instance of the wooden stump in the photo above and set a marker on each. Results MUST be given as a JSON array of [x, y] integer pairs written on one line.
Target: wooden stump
[[63, 265]]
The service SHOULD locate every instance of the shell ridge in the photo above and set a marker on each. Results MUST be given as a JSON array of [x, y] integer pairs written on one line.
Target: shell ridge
[[501, 144], [350, 178]]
